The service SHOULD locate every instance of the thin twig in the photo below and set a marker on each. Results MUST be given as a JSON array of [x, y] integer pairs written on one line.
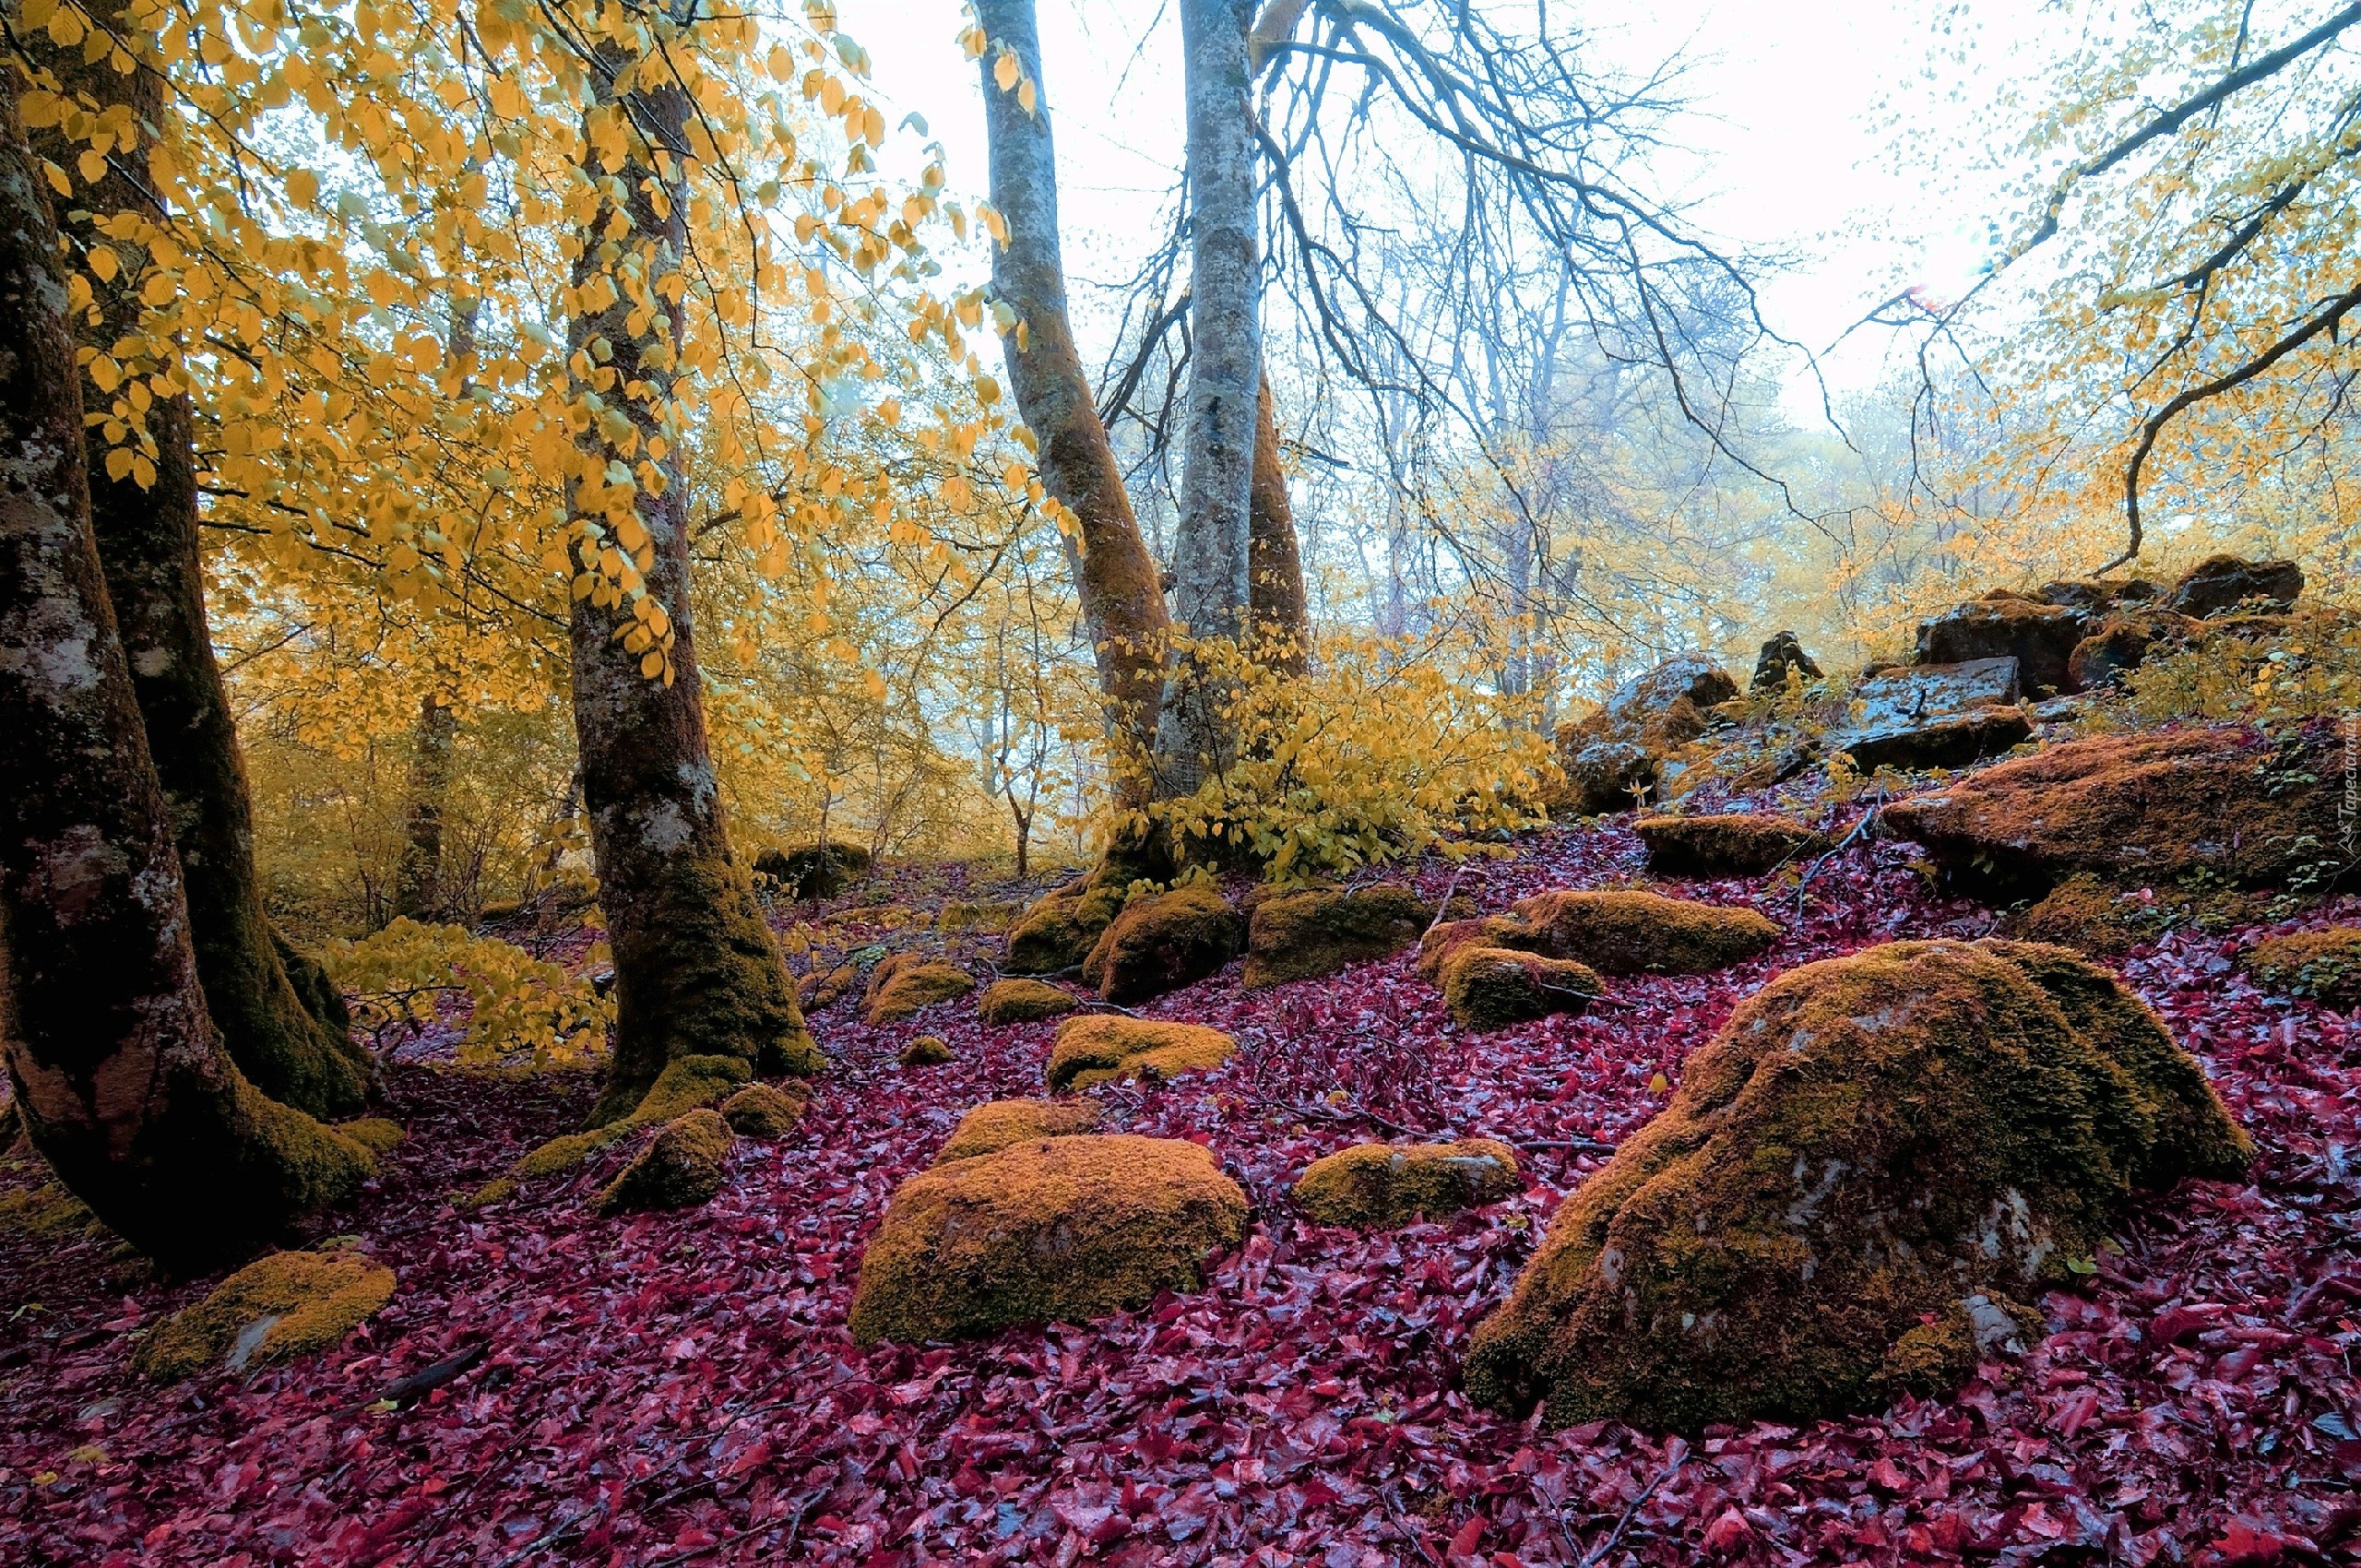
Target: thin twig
[[1598, 1552]]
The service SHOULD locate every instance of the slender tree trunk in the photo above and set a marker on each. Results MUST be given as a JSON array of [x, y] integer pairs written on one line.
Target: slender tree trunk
[[122, 1082], [697, 971], [1115, 578], [1211, 579], [1282, 616], [147, 547], [417, 882]]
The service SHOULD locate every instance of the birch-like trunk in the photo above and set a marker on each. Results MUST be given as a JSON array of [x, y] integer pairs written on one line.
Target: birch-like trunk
[[1282, 614], [1211, 553], [122, 1081], [697, 971]]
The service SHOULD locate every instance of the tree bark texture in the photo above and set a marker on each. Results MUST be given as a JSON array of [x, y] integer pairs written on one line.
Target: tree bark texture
[[1282, 614], [1211, 574], [697, 973], [1115, 576], [121, 1077], [417, 880], [147, 547]]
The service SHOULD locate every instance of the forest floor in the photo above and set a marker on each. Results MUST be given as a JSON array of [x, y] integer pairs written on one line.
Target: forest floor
[[681, 1388]]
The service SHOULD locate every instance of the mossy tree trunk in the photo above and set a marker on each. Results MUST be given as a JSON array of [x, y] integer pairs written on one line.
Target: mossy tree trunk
[[148, 546], [1115, 577], [121, 1077], [1211, 548], [697, 969], [1275, 593], [419, 892]]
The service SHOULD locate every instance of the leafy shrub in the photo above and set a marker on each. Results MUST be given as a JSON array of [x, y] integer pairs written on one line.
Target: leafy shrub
[[518, 1004], [2273, 671]]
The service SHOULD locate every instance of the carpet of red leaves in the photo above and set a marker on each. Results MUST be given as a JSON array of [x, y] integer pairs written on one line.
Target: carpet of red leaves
[[680, 1389]]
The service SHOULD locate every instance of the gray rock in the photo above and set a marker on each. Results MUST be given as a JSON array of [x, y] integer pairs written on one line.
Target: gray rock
[[2223, 582], [2040, 638], [1606, 774], [1936, 716], [1780, 654]]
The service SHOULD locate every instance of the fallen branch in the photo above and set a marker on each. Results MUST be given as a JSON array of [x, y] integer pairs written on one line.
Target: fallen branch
[[427, 1379], [1837, 849], [1598, 1552]]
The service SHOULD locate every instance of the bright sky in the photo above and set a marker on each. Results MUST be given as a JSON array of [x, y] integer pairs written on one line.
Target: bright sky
[[1791, 148]]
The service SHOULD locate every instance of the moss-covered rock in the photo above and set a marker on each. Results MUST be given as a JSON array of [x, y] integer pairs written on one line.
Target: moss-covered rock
[[1491, 988], [286, 1304], [686, 1084], [681, 1167], [906, 982], [1477, 930], [1636, 934], [1738, 844], [1378, 1186], [813, 870], [759, 1111], [2094, 916], [990, 1128], [1024, 1001], [1057, 933], [378, 1135], [1057, 1230], [1104, 1047], [1163, 942], [1601, 775], [2151, 808], [1919, 1133], [1294, 936], [821, 987], [2323, 964], [925, 1051]]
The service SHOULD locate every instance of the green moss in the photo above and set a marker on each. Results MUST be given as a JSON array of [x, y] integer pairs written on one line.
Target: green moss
[[1059, 1230], [681, 1167], [378, 1135], [286, 1304], [994, 916], [1163, 942], [759, 1111], [1375, 1186], [905, 983], [1024, 1001], [1734, 845], [46, 1210], [1491, 988], [1103, 1047], [2323, 964], [687, 1084], [993, 1127], [926, 1051], [1634, 933], [1868, 1145], [1294, 936], [1057, 933]]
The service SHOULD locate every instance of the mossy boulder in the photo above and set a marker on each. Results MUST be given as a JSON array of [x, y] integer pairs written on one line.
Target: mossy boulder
[[2222, 583], [1861, 1182], [926, 1051], [821, 987], [2120, 644], [1164, 941], [2092, 915], [1491, 988], [759, 1111], [1602, 775], [1293, 936], [286, 1304], [1736, 844], [1631, 932], [682, 1166], [1055, 1230], [2323, 964], [906, 982], [2152, 808], [1057, 933], [1437, 945], [2040, 638], [1379, 1186], [1104, 1047], [813, 870], [1024, 1001], [994, 1126], [686, 1084]]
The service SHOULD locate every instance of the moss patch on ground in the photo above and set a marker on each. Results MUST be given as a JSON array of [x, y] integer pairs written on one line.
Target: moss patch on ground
[[2322, 965], [681, 1167], [686, 1084], [1378, 1186], [1105, 1047], [286, 1304]]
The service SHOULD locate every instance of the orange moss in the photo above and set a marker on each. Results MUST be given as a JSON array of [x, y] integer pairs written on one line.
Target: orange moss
[[1294, 936], [926, 1051], [1059, 1230], [286, 1304], [1024, 1001], [1491, 988], [1105, 1047], [1870, 1142], [904, 983], [1739, 844], [1164, 941], [1631, 934], [1375, 1186], [990, 1128], [759, 1111], [2089, 914], [681, 1167], [2325, 964]]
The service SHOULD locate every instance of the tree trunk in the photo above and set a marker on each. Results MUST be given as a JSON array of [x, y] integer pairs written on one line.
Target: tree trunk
[[1115, 577], [1210, 565], [697, 971], [147, 547], [418, 881], [1282, 617], [122, 1082]]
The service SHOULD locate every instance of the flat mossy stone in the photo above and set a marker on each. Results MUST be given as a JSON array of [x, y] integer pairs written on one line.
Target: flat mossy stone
[[1379, 1186], [1634, 933], [286, 1304], [1024, 1001], [1060, 1229], [905, 983], [1491, 988], [1726, 844], [1105, 1047], [991, 1127], [1922, 1132], [1293, 936], [681, 1167]]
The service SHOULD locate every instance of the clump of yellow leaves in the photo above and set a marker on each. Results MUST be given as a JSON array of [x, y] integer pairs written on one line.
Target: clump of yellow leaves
[[518, 1006]]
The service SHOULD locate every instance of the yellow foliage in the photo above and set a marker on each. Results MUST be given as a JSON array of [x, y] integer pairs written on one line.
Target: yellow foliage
[[518, 1004]]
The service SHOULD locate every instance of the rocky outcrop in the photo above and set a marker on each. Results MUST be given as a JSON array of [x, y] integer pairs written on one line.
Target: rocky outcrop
[[1934, 716], [1862, 1185], [2040, 638], [2120, 644], [1616, 752], [2222, 583]]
